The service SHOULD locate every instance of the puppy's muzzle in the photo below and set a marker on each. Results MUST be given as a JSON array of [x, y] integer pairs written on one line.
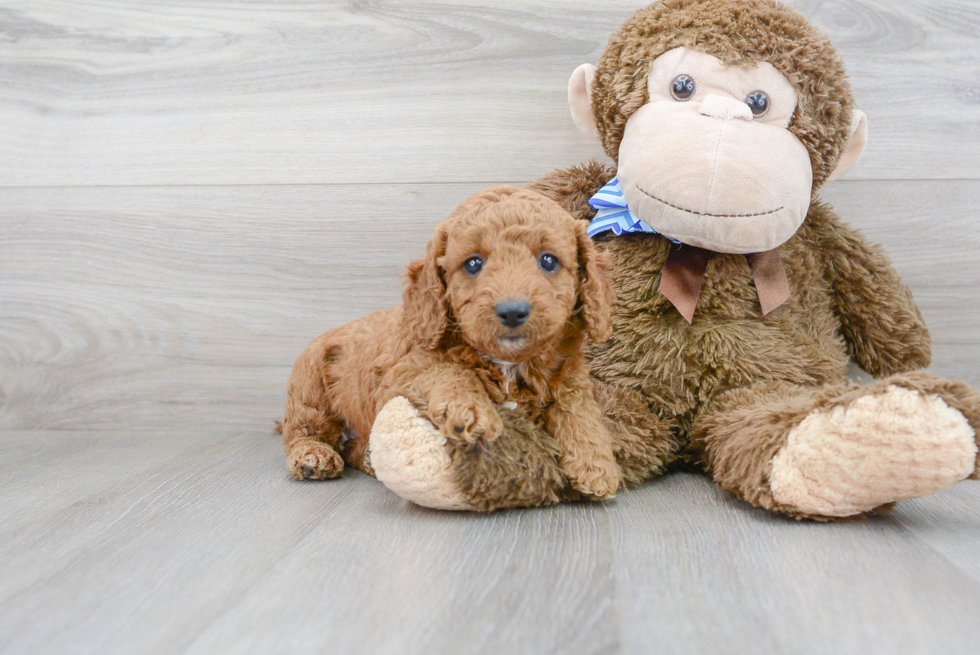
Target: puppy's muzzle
[[513, 312]]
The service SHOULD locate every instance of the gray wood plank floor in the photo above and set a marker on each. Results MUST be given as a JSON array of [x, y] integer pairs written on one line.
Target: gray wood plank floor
[[200, 543], [190, 191]]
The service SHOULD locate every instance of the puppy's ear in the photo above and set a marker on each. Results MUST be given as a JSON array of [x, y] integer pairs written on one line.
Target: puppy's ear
[[595, 286], [424, 314]]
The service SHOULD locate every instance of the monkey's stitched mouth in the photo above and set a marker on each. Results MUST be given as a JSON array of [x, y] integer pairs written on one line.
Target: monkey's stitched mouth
[[691, 211]]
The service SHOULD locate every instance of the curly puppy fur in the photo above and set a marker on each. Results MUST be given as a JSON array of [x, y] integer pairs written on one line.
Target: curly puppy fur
[[446, 350]]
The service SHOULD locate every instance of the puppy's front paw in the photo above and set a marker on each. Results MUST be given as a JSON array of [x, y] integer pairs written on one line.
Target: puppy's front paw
[[313, 460], [467, 418], [598, 478]]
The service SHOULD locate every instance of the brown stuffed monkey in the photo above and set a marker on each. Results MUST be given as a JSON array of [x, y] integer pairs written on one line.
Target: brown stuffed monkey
[[741, 296]]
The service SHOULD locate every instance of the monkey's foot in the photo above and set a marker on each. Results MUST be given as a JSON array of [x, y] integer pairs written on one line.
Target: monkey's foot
[[875, 450], [410, 457], [416, 461]]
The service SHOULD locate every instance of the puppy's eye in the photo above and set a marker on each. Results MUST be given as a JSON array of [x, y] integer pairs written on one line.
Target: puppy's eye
[[548, 262], [683, 87], [758, 102], [473, 265]]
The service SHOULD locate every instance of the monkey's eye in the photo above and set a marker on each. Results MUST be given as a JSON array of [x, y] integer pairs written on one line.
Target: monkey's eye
[[758, 102], [473, 266], [548, 262], [683, 87]]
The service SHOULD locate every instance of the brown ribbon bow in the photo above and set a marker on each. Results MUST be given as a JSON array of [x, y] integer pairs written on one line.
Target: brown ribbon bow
[[683, 274]]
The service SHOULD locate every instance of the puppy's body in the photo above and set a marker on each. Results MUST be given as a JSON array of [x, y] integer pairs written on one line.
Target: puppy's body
[[333, 392], [486, 320]]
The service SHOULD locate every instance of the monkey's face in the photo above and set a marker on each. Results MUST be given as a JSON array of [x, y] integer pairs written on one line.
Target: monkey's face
[[709, 160], [720, 155]]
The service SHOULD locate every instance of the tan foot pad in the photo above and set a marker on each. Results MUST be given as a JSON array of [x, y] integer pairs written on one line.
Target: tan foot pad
[[409, 456], [877, 450]]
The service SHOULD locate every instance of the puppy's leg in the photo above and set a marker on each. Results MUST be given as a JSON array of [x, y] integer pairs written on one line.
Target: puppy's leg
[[587, 448], [451, 396], [310, 429]]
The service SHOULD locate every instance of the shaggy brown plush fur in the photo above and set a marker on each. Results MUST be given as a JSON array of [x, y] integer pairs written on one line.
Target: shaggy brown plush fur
[[727, 390], [491, 479], [700, 380], [446, 350], [744, 428], [519, 469]]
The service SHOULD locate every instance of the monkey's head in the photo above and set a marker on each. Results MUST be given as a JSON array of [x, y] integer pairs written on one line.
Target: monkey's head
[[724, 116]]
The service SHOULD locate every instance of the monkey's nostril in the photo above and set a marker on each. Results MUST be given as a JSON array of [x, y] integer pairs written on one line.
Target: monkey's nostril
[[513, 313]]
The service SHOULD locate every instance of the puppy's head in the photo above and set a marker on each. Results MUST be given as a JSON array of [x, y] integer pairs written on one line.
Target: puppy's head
[[514, 272]]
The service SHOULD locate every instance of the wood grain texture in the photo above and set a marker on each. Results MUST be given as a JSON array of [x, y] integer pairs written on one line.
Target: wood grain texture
[[695, 566], [187, 306], [145, 308], [249, 92], [218, 550], [215, 549]]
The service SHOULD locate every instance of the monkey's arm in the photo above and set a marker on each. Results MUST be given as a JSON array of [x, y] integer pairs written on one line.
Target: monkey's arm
[[884, 329], [572, 187]]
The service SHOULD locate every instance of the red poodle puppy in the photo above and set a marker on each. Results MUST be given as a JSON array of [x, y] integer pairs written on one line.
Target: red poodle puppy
[[496, 312]]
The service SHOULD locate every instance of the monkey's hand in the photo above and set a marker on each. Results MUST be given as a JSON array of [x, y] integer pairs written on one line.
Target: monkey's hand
[[884, 329]]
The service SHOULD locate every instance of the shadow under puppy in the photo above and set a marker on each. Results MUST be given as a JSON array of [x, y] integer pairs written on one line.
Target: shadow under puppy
[[495, 317]]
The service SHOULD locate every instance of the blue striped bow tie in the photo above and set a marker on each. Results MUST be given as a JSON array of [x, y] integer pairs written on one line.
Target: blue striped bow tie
[[612, 213]]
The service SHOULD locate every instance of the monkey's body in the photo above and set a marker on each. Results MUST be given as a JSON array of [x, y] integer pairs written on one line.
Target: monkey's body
[[731, 390], [728, 389], [724, 118]]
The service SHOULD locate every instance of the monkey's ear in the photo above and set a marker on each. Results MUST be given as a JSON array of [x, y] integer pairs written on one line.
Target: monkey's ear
[[855, 145], [580, 99], [424, 314]]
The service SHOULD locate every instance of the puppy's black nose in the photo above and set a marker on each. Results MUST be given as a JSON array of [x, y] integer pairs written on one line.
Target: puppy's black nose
[[513, 312]]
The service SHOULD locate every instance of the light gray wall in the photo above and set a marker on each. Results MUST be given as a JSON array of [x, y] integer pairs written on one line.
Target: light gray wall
[[190, 191]]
